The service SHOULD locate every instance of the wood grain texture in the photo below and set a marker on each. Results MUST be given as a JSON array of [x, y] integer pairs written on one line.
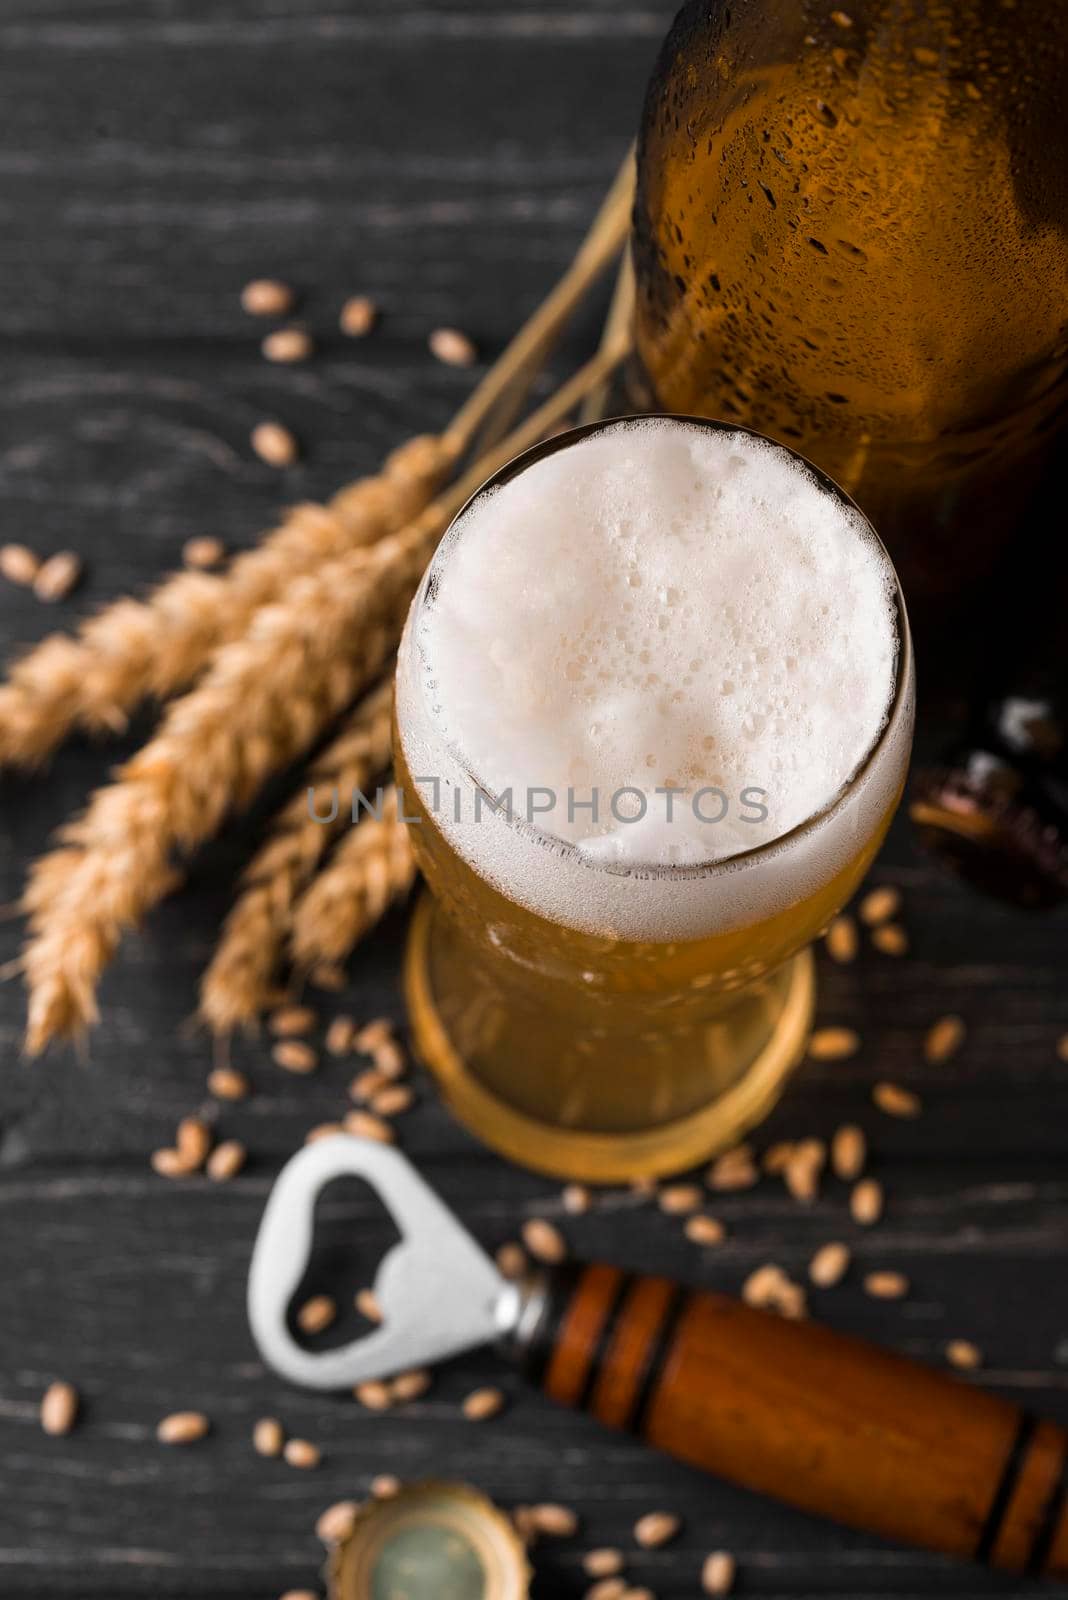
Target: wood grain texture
[[443, 157]]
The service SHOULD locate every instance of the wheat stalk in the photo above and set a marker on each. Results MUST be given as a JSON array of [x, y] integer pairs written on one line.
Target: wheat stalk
[[238, 983], [371, 867], [263, 701], [619, 319]]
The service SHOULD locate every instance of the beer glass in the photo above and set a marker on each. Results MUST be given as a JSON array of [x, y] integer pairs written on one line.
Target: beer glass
[[579, 1046]]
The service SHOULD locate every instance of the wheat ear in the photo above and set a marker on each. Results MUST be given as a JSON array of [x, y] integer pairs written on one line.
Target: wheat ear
[[239, 981], [262, 702], [264, 699], [371, 867]]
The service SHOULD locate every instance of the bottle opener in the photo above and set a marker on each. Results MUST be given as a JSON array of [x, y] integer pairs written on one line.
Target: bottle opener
[[823, 1421]]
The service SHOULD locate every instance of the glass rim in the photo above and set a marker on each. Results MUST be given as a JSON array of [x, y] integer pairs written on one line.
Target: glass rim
[[722, 865]]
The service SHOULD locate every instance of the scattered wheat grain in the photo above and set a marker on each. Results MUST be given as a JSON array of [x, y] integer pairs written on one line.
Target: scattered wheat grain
[[365, 1125], [829, 1265], [833, 1044], [482, 1404], [704, 1230], [776, 1156], [18, 564], [849, 1151], [883, 1285], [59, 1408], [323, 1130], [317, 1314], [964, 1355], [192, 1140], [452, 347], [365, 1085], [841, 940], [866, 1202], [169, 1164], [944, 1038], [287, 345], [555, 1521], [366, 1303], [337, 1521], [734, 1169], [358, 316], [226, 1160], [227, 1083], [301, 1453], [268, 1437], [879, 905], [656, 1528], [603, 1562], [392, 1101], [293, 1055], [266, 297], [57, 577], [203, 552], [182, 1427], [339, 1036], [717, 1573], [890, 939], [511, 1260], [374, 1395], [372, 1034], [676, 1199], [611, 1588], [543, 1240], [290, 1020], [274, 444], [769, 1289], [388, 1058], [896, 1100], [576, 1199], [802, 1171], [409, 1386]]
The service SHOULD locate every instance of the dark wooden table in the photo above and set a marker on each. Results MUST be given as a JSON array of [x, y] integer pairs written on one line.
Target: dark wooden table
[[443, 158]]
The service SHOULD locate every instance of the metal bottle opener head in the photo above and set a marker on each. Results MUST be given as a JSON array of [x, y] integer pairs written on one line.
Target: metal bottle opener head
[[438, 1291]]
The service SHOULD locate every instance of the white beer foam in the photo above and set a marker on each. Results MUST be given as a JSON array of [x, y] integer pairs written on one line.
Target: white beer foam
[[656, 605]]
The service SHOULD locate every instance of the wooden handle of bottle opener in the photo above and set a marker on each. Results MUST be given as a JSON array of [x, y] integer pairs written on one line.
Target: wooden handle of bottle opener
[[825, 1422]]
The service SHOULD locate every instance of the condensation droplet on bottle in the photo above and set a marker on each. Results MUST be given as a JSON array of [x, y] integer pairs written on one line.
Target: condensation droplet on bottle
[[852, 251]]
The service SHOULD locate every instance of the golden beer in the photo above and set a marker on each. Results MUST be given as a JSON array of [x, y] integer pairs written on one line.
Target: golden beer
[[574, 1046]]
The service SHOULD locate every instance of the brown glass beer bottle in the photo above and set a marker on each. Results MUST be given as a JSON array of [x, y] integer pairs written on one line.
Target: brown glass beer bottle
[[851, 233]]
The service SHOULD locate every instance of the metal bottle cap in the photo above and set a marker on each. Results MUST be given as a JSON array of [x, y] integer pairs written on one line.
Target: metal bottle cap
[[432, 1541]]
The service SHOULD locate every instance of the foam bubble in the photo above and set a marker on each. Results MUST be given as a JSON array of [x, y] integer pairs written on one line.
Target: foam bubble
[[658, 605]]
